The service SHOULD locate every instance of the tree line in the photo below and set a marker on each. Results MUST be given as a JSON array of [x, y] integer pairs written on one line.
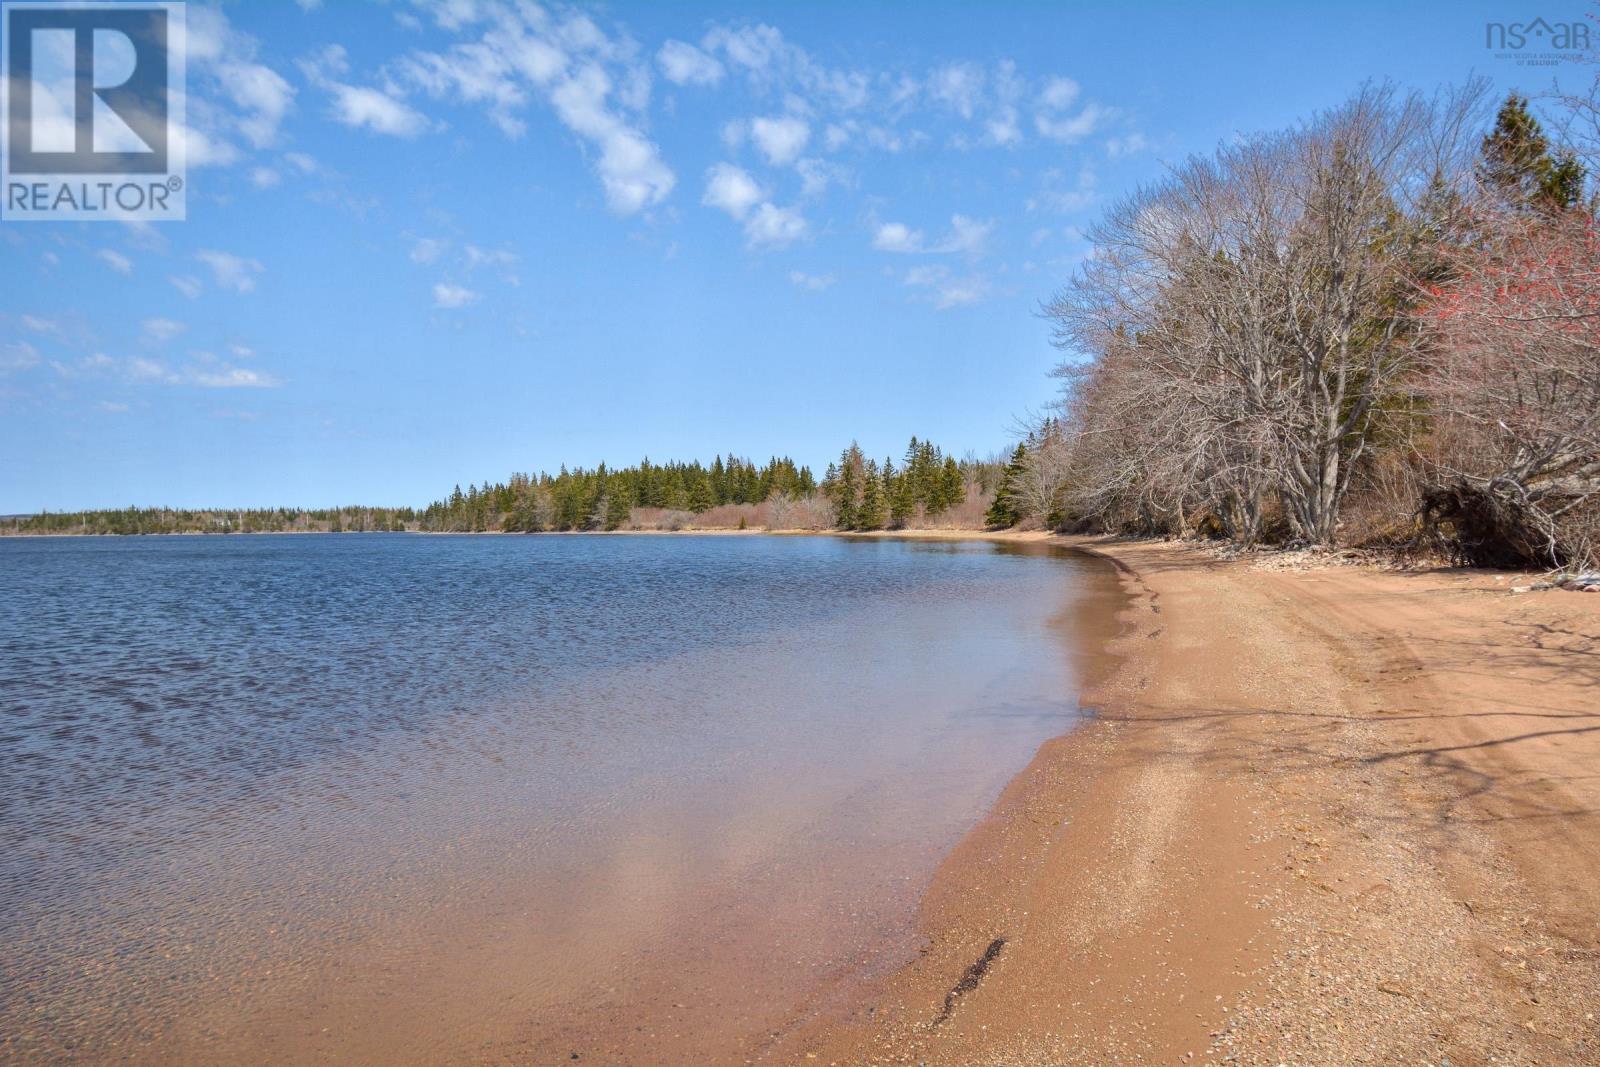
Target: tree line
[[135, 520], [1382, 324], [868, 496], [603, 498], [856, 493]]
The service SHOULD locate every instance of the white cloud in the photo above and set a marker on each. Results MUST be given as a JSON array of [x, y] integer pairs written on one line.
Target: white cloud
[[814, 283], [262, 94], [966, 237], [945, 289], [427, 249], [684, 64], [451, 297], [1055, 195], [1132, 144], [1076, 128], [204, 372], [359, 106], [1002, 128], [755, 48], [231, 378], [1058, 94], [229, 271], [88, 366], [17, 355], [146, 236], [816, 175], [958, 86], [494, 257], [38, 325], [594, 83], [161, 330], [774, 227], [203, 150], [897, 237], [240, 97], [264, 177], [149, 370], [300, 162], [112, 407], [769, 61], [115, 260], [630, 167], [781, 140], [731, 189], [187, 284]]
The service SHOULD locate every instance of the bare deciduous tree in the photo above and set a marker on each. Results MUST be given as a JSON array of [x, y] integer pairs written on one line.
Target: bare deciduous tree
[[1516, 388], [1249, 319]]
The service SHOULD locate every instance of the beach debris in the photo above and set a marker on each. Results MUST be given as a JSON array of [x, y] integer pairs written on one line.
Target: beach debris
[[970, 979], [1576, 583]]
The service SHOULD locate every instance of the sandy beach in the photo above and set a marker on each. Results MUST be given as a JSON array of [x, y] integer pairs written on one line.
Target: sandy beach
[[1325, 814]]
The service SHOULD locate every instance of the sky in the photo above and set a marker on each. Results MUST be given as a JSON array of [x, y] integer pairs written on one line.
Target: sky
[[434, 243]]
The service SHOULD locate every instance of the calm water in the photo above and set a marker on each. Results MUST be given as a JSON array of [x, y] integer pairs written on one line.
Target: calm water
[[389, 798]]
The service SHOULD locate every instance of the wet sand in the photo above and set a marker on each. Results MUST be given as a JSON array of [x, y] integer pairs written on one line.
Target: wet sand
[[1331, 815]]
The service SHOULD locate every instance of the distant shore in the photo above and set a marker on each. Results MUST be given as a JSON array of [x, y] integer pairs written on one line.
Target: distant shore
[[1324, 815]]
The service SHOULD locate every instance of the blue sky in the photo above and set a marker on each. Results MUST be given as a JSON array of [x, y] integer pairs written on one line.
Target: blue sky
[[434, 243]]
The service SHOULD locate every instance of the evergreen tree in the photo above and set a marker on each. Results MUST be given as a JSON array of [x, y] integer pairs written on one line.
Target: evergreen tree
[[1003, 512], [873, 509], [617, 507], [719, 482], [844, 489], [952, 487], [898, 490], [701, 497], [1517, 162]]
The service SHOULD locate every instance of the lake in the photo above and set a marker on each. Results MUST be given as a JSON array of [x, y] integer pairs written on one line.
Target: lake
[[390, 798]]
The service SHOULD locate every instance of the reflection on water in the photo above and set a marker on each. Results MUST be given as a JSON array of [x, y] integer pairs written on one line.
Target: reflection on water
[[391, 798]]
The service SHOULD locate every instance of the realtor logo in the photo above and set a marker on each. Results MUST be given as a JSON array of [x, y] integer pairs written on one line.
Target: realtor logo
[[92, 95]]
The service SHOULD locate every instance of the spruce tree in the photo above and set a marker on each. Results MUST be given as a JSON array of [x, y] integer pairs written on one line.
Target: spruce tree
[[1518, 165], [873, 510], [700, 494], [1003, 512], [952, 486], [719, 481], [897, 488], [617, 508]]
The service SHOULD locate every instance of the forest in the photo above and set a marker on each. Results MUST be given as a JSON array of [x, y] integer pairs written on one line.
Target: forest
[[855, 493], [1380, 327]]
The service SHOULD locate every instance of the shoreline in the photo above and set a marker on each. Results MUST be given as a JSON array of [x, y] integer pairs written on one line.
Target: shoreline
[[1329, 815], [1319, 813]]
